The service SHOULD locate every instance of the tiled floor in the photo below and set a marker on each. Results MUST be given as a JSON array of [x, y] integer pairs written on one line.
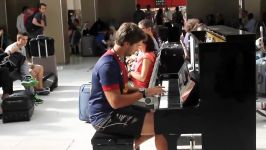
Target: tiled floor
[[55, 124]]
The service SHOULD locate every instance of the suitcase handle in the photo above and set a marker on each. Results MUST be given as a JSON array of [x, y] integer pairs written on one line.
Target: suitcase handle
[[39, 49], [45, 44], [40, 37], [46, 49]]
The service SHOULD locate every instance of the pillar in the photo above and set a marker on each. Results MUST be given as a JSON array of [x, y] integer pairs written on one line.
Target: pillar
[[57, 27], [88, 11], [3, 20]]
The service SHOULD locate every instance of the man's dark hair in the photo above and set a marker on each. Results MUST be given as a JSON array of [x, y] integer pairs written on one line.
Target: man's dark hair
[[24, 8], [129, 32], [20, 34], [138, 6], [177, 8], [146, 23], [250, 16], [42, 4], [150, 47], [148, 7]]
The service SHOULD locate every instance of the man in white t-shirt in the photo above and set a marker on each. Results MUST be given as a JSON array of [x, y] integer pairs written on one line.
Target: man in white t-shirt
[[20, 20], [28, 69]]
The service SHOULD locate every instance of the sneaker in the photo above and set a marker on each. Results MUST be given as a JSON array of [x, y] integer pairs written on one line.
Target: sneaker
[[43, 91], [29, 82], [37, 99]]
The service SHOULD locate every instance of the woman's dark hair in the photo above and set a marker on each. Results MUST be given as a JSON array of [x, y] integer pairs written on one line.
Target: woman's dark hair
[[24, 8], [150, 47]]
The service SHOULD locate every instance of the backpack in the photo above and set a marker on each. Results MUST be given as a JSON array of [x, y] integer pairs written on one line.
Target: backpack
[[14, 61], [30, 27]]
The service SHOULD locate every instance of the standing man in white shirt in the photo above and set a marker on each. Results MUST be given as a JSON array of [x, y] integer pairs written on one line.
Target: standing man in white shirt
[[20, 20]]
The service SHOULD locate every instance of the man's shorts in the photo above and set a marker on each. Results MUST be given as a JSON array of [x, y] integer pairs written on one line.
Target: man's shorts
[[124, 121]]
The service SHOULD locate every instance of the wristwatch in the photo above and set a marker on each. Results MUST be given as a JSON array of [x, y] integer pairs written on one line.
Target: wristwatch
[[143, 92]]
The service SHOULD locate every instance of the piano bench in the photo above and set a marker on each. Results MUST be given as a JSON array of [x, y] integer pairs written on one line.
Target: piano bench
[[103, 141]]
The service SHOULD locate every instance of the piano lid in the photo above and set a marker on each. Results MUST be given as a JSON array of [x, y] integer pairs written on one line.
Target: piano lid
[[227, 31], [230, 34]]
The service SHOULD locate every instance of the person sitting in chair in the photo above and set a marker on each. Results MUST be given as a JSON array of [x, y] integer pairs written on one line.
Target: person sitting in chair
[[28, 69], [141, 74]]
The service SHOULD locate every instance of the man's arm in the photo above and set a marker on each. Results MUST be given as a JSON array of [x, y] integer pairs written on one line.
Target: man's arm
[[12, 49], [35, 20], [118, 100], [132, 89]]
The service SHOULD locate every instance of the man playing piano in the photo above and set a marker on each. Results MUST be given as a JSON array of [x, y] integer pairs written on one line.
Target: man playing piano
[[110, 105]]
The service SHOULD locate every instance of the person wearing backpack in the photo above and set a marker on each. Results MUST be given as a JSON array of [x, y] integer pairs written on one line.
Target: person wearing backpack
[[36, 23]]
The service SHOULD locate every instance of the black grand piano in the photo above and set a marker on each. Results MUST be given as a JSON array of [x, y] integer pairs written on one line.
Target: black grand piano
[[225, 115]]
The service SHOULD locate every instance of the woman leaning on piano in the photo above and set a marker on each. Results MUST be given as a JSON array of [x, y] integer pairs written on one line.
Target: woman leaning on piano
[[143, 67]]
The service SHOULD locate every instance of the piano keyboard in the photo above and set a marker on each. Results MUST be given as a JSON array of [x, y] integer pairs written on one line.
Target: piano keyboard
[[171, 96]]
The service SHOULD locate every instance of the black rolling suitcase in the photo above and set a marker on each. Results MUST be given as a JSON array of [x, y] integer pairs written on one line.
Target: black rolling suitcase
[[42, 49], [171, 59], [18, 107], [174, 34], [163, 33], [42, 46], [88, 46]]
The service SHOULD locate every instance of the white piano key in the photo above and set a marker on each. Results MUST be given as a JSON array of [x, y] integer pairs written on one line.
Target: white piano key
[[165, 84], [164, 99], [163, 102]]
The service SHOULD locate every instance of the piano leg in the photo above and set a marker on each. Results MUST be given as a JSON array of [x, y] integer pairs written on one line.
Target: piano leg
[[172, 140]]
